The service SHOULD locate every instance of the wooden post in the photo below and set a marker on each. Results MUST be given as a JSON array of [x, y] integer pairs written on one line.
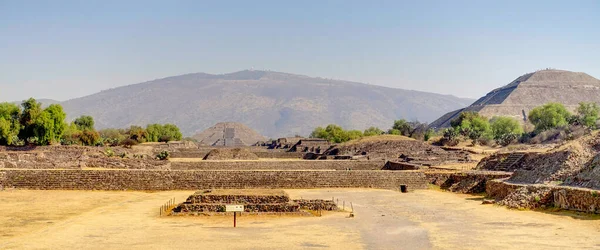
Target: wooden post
[[234, 219], [344, 206], [352, 207]]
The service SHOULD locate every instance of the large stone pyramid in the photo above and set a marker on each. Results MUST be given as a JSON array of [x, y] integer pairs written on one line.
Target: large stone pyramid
[[229, 134], [529, 91]]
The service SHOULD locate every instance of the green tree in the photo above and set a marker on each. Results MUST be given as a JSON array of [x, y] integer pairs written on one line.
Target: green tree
[[58, 117], [137, 133], [170, 132], [319, 132], [43, 129], [85, 122], [505, 130], [335, 133], [403, 126], [372, 131], [587, 114], [9, 123], [154, 132], [31, 111], [352, 135], [471, 125], [163, 133], [548, 116], [394, 132]]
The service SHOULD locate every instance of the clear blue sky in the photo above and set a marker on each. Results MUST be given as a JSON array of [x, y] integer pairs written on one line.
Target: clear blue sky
[[67, 49]]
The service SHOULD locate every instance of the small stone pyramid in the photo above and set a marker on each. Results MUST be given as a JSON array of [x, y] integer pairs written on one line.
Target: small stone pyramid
[[229, 134]]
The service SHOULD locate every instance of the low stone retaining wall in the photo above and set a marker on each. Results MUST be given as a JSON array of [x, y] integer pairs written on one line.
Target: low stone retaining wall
[[280, 155], [194, 180], [464, 182], [537, 195], [279, 165]]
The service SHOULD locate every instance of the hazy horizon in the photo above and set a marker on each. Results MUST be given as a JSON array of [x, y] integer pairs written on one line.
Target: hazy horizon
[[67, 49]]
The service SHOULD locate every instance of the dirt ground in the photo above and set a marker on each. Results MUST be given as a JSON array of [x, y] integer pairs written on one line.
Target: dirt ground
[[423, 219]]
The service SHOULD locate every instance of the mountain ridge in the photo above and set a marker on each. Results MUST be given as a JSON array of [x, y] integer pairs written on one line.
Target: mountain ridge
[[274, 103]]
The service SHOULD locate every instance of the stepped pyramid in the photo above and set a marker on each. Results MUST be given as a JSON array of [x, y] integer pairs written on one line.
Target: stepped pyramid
[[529, 91], [229, 134]]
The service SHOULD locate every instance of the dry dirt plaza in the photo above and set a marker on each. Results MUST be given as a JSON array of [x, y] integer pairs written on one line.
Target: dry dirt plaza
[[421, 219]]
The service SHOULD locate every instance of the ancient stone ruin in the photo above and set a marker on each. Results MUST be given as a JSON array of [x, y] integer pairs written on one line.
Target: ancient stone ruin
[[255, 201], [529, 91], [229, 134]]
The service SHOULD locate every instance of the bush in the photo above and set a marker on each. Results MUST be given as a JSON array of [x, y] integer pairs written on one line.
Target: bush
[[164, 155], [372, 131], [471, 125], [450, 137], [128, 143], [505, 130], [587, 114], [549, 116], [89, 137]]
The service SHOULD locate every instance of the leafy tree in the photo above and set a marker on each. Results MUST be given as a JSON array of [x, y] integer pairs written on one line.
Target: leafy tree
[[43, 128], [9, 123], [372, 131], [58, 117], [170, 132], [162, 133], [352, 135], [548, 116], [335, 133], [394, 132], [153, 132], [403, 126], [31, 111], [587, 114], [471, 125], [85, 122], [505, 130], [137, 133], [319, 132]]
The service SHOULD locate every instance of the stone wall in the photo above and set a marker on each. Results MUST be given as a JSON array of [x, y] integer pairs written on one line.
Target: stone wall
[[539, 195], [278, 165], [274, 154], [465, 181], [194, 180]]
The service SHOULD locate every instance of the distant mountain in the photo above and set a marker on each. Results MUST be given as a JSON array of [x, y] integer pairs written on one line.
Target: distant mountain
[[275, 104]]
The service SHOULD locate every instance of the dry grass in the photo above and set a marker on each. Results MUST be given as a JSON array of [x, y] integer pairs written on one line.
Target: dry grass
[[257, 192]]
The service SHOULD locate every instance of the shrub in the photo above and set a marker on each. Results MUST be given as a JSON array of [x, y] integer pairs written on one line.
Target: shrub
[[549, 116], [505, 130], [372, 131], [403, 127], [164, 155], [89, 137], [128, 143], [109, 152], [450, 137], [587, 114]]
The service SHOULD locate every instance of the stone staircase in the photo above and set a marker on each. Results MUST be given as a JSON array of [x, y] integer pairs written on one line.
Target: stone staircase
[[510, 161]]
